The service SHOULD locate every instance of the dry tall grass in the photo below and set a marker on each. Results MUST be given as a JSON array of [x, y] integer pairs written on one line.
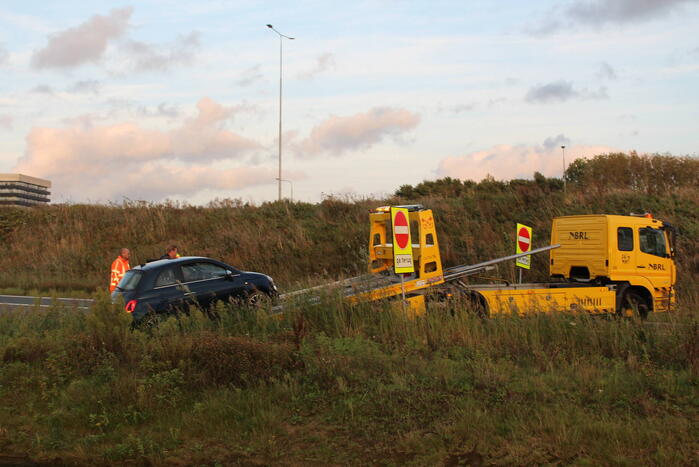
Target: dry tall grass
[[330, 383], [70, 247]]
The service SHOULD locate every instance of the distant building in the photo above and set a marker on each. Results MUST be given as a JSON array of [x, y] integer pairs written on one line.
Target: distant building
[[23, 190]]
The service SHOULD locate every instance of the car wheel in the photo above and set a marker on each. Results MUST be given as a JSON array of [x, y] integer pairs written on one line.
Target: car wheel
[[256, 299], [150, 321]]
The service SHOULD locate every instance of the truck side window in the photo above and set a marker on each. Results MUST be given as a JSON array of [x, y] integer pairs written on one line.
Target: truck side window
[[652, 241], [625, 239]]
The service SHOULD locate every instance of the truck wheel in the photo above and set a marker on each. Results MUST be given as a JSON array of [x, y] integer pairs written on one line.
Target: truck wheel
[[478, 306], [473, 302], [634, 304], [454, 299]]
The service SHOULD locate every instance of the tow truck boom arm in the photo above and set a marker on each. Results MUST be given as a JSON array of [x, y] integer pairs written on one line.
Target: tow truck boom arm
[[468, 270]]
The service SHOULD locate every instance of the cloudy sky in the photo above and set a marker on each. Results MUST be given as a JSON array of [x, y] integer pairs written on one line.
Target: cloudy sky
[[178, 99]]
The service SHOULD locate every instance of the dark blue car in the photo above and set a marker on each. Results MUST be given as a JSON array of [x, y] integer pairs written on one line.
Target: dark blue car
[[168, 285]]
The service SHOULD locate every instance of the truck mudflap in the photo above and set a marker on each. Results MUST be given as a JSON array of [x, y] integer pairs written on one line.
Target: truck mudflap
[[664, 299]]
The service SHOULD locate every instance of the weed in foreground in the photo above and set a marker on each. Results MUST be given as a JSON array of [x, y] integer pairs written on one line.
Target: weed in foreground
[[331, 383]]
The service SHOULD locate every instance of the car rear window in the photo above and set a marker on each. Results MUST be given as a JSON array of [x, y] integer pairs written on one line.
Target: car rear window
[[130, 280]]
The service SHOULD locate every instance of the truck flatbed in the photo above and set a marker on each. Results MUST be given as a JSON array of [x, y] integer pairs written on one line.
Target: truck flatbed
[[598, 264]]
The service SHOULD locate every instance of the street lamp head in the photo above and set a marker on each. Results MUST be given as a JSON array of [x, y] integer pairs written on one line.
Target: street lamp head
[[270, 26], [563, 147]]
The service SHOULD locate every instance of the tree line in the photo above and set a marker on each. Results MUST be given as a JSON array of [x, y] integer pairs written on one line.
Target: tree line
[[648, 173]]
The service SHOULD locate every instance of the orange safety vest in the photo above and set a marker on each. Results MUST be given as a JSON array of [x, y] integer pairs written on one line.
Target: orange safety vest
[[119, 268]]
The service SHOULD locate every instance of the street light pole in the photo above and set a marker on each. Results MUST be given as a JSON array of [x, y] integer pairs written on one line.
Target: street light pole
[[291, 185], [281, 39], [563, 149]]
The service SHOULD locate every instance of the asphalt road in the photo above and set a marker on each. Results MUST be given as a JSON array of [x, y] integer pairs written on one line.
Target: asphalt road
[[20, 301]]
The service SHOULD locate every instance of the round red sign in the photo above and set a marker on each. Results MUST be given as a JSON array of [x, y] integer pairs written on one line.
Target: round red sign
[[523, 239], [401, 230]]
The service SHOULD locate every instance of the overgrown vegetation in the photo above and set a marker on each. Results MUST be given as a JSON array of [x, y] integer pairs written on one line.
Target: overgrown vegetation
[[333, 384], [70, 247]]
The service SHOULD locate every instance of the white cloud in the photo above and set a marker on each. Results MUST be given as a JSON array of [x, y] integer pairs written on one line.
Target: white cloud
[[89, 42], [338, 135], [250, 76], [43, 89], [456, 109], [550, 92], [142, 56], [324, 62], [560, 91], [4, 55], [553, 142], [6, 122], [622, 11], [606, 71], [84, 43], [161, 110], [598, 13], [101, 162], [506, 162], [85, 87]]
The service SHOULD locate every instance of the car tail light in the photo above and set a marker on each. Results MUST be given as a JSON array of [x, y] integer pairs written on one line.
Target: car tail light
[[131, 306]]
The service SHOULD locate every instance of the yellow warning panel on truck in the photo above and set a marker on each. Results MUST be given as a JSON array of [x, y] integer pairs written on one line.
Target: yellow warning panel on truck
[[402, 243]]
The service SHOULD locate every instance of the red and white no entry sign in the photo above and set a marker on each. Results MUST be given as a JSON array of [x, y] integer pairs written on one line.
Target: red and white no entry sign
[[402, 247], [402, 230], [524, 245], [524, 239]]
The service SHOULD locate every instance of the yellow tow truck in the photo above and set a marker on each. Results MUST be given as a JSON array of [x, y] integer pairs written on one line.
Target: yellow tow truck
[[598, 264]]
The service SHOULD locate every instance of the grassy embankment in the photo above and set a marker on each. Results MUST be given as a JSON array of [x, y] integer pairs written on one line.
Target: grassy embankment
[[70, 248], [332, 384]]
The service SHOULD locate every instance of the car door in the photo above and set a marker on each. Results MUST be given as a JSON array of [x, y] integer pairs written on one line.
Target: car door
[[208, 282], [167, 295]]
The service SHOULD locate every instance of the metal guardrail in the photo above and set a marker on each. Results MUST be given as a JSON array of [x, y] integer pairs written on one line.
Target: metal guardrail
[[22, 301]]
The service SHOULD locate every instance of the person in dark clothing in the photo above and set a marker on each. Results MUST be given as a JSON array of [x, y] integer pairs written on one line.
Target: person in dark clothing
[[171, 253]]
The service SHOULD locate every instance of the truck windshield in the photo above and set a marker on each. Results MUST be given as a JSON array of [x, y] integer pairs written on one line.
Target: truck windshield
[[130, 280], [653, 241]]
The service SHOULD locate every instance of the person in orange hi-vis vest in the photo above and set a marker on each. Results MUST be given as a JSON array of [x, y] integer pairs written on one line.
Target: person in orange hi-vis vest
[[119, 268]]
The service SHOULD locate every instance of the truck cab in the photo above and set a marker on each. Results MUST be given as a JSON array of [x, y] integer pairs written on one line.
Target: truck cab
[[635, 253]]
